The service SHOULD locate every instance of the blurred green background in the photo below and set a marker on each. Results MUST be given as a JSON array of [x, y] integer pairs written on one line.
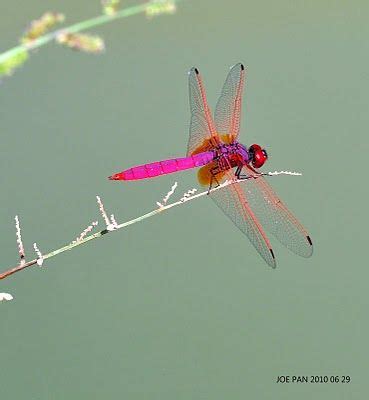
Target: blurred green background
[[181, 306]]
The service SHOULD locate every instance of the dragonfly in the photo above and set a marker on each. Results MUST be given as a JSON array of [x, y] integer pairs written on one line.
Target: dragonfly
[[213, 147]]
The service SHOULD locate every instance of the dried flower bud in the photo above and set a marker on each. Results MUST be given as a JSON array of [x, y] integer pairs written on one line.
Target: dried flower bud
[[40, 257], [6, 297], [102, 211], [188, 194], [81, 42], [110, 7], [41, 25], [9, 63], [159, 7], [84, 233]]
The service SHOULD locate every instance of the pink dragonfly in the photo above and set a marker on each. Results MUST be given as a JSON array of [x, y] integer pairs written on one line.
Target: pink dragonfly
[[213, 145]]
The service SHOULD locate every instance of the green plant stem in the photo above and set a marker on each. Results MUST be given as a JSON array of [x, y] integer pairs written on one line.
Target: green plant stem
[[78, 27]]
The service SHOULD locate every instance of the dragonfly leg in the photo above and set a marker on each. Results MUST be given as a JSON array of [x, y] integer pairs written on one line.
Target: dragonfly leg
[[239, 175], [214, 171], [257, 174], [245, 176]]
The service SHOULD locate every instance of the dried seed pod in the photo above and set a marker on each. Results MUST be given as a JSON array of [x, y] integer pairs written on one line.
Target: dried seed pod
[[110, 7], [40, 26], [81, 42], [159, 7]]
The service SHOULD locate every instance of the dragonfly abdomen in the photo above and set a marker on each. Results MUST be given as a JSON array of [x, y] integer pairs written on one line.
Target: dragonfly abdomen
[[164, 167]]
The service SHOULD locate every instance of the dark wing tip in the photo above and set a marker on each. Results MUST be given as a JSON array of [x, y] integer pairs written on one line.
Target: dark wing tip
[[274, 264], [193, 70], [310, 253], [309, 240], [238, 65]]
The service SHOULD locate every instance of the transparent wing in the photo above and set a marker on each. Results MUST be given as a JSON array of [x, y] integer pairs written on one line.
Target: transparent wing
[[228, 109], [233, 202], [202, 128], [274, 215]]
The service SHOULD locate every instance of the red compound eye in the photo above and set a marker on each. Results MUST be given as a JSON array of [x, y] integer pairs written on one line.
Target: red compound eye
[[259, 157], [254, 147]]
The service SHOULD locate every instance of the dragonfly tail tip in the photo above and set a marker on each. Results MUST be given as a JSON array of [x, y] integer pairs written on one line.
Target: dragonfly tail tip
[[116, 177]]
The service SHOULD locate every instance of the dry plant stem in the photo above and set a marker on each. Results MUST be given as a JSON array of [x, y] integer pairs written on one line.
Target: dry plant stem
[[113, 228]]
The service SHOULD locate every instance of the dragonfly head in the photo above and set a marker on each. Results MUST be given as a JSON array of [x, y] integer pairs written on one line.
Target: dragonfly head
[[257, 155]]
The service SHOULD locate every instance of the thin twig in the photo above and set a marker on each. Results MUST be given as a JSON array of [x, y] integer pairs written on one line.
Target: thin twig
[[159, 210]]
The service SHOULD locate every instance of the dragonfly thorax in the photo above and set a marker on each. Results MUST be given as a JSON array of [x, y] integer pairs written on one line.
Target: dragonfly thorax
[[235, 154]]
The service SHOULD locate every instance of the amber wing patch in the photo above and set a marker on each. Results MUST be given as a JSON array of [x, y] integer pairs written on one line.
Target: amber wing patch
[[204, 175], [207, 144], [227, 138]]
